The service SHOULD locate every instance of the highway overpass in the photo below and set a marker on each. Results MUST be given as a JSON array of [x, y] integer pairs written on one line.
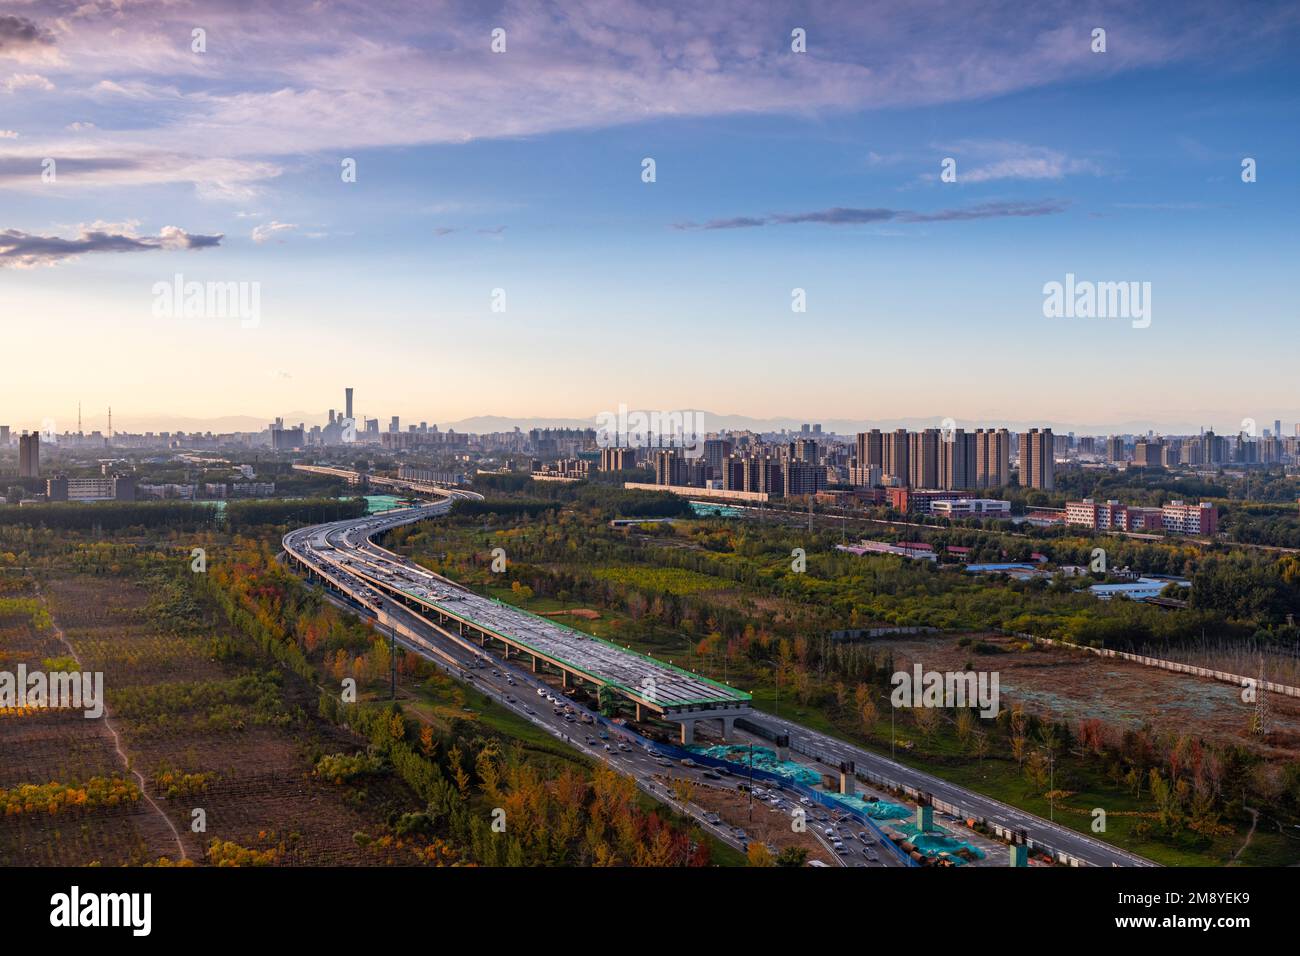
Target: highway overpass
[[342, 556]]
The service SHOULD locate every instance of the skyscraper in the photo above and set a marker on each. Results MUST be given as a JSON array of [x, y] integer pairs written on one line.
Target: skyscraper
[[29, 455], [347, 392], [1037, 459]]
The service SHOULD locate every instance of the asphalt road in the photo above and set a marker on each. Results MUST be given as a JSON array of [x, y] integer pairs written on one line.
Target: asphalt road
[[832, 751], [516, 689]]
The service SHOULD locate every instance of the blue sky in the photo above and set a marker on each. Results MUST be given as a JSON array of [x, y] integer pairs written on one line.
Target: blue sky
[[522, 171]]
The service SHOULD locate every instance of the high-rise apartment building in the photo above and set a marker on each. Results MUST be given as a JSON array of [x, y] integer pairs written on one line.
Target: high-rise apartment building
[[716, 452], [1037, 459], [992, 457], [803, 478], [1148, 453], [617, 459], [958, 457], [29, 455], [871, 449], [923, 458], [896, 456]]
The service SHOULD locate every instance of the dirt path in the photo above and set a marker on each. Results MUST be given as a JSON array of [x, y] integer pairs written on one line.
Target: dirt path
[[1254, 821], [117, 739]]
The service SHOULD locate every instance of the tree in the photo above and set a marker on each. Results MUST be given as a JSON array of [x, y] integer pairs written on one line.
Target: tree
[[759, 855], [792, 856]]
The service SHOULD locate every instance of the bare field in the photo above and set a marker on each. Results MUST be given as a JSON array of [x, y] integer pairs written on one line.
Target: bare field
[[1077, 685]]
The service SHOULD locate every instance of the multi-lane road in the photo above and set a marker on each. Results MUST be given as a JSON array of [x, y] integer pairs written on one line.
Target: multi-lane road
[[342, 554]]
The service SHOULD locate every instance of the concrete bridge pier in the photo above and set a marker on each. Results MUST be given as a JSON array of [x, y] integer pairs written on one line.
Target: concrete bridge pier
[[728, 726], [846, 778], [688, 732]]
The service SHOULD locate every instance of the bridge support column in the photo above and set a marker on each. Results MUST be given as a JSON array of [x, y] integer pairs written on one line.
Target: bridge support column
[[564, 679], [534, 663], [688, 732], [482, 640], [506, 655], [638, 713], [728, 726], [846, 778]]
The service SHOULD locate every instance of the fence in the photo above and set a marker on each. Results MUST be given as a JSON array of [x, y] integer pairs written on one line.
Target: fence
[[1284, 689]]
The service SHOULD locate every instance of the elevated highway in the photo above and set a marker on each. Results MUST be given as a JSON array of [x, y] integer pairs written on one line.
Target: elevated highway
[[343, 556], [452, 624]]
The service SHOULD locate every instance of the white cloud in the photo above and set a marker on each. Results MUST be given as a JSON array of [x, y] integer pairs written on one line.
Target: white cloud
[[270, 230], [27, 81]]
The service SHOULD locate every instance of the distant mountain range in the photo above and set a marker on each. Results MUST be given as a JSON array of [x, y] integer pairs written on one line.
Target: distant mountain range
[[1186, 423]]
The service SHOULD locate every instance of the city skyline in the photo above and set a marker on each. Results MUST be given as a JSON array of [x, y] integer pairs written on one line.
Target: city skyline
[[775, 171]]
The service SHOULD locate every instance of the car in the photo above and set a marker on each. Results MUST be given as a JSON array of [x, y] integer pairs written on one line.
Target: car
[[530, 710], [608, 748], [509, 699], [541, 692]]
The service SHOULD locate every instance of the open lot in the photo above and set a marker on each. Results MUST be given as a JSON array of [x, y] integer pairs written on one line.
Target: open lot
[[1076, 685]]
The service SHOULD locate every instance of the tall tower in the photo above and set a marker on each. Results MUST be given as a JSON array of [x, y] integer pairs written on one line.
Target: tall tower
[[29, 455], [348, 394]]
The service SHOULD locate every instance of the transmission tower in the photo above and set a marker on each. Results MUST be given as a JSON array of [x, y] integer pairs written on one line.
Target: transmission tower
[[1259, 722]]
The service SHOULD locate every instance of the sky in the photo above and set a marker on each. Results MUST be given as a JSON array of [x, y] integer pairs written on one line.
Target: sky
[[500, 252]]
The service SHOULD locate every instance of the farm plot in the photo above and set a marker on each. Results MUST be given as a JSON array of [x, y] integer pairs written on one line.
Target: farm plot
[[207, 724]]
